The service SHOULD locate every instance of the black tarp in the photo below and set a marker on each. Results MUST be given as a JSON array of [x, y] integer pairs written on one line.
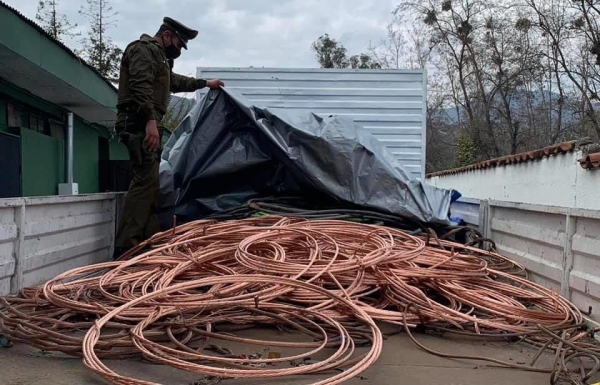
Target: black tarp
[[227, 151]]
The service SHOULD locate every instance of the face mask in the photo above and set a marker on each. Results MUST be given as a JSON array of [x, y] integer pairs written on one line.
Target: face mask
[[172, 51]]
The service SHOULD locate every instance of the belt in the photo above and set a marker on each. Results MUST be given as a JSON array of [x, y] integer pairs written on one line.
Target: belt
[[129, 107]]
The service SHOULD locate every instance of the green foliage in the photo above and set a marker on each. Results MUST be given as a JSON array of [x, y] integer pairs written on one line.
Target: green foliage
[[330, 53], [364, 61], [465, 153]]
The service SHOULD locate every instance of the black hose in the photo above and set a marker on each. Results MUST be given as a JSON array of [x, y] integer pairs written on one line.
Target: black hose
[[326, 208]]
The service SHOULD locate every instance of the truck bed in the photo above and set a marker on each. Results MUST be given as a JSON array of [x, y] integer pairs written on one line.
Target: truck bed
[[401, 362]]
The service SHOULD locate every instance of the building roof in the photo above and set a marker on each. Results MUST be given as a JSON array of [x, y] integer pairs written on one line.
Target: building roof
[[529, 156], [55, 41], [58, 42], [36, 62]]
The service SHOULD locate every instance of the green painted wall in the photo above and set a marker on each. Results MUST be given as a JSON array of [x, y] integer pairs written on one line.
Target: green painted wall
[[42, 159], [85, 157]]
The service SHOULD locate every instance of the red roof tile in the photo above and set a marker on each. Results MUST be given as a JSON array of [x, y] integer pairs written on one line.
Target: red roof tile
[[529, 156], [590, 161]]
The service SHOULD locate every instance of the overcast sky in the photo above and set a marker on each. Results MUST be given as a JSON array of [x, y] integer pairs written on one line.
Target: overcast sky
[[242, 33]]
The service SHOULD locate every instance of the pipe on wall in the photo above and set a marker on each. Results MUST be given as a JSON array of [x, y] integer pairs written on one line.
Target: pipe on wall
[[70, 187], [70, 148]]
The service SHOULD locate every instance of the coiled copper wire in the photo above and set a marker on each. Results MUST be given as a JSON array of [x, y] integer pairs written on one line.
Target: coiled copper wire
[[328, 279]]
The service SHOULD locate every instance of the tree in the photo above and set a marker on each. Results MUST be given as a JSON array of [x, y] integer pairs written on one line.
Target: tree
[[454, 30], [363, 61], [503, 76], [98, 48], [391, 50], [53, 22], [491, 62], [330, 53], [465, 153], [588, 24], [442, 138], [572, 30]]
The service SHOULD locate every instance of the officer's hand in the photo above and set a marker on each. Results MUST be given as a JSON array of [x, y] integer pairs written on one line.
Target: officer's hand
[[152, 138], [213, 84]]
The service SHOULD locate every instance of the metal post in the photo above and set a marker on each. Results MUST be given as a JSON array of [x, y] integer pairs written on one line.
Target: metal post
[[567, 265], [70, 149], [16, 280], [70, 187], [484, 219]]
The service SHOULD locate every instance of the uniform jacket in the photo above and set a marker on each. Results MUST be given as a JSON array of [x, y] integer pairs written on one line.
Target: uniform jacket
[[146, 80]]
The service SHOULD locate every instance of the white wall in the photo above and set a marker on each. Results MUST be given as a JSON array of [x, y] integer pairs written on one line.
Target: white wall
[[44, 236], [557, 180]]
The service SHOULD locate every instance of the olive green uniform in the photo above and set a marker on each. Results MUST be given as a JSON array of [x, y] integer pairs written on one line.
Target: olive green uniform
[[146, 80]]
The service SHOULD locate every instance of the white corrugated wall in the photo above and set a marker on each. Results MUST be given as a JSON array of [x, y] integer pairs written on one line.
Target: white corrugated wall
[[42, 237], [391, 104]]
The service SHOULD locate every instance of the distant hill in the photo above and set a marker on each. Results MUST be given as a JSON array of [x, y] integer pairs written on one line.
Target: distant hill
[[518, 106]]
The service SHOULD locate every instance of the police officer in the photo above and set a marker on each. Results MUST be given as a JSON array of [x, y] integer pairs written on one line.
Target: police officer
[[146, 80]]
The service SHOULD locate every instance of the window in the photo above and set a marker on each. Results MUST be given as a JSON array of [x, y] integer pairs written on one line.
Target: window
[[16, 116], [19, 116], [38, 124], [57, 129]]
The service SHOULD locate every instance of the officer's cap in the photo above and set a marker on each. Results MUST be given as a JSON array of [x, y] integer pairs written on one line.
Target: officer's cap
[[183, 33]]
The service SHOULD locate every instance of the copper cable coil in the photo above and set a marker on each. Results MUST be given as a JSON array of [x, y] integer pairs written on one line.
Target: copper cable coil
[[167, 297]]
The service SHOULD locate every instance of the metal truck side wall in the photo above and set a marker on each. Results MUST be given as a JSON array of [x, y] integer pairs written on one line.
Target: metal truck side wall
[[559, 246], [468, 210], [391, 104], [43, 237]]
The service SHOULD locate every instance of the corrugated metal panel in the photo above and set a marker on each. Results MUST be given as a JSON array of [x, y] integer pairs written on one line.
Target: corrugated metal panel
[[390, 104], [43, 237], [584, 279], [559, 246], [534, 239], [8, 236], [468, 210]]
